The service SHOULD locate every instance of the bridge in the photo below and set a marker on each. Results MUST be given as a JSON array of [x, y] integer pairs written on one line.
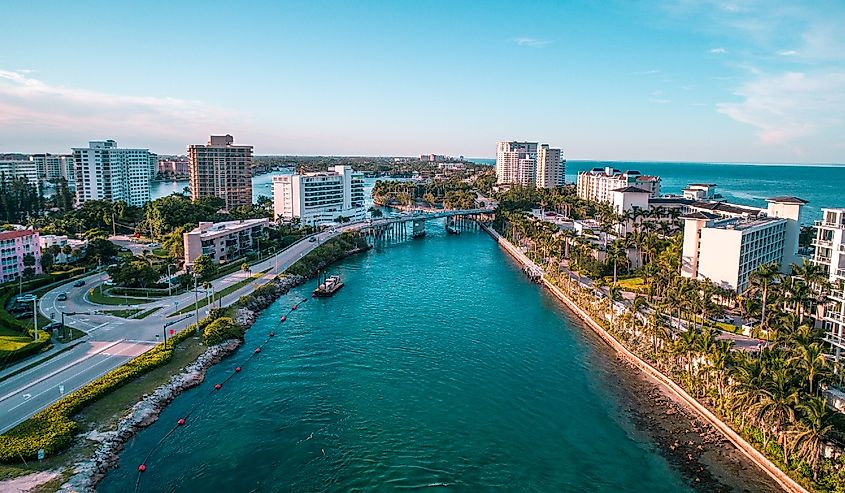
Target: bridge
[[396, 227]]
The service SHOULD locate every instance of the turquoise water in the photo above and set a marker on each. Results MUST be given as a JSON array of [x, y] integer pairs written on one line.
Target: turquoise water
[[437, 367]]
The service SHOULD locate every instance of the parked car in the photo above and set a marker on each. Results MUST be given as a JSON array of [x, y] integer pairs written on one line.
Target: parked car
[[79, 283], [61, 297], [312, 239]]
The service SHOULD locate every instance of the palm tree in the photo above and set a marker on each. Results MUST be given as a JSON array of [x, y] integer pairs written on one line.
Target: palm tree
[[808, 437], [776, 406], [810, 359], [616, 254], [761, 279]]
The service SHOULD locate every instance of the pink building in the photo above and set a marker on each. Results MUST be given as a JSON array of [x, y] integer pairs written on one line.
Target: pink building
[[173, 167], [14, 246]]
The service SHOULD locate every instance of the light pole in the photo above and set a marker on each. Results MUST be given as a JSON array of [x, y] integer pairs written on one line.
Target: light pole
[[196, 303], [169, 284], [35, 316]]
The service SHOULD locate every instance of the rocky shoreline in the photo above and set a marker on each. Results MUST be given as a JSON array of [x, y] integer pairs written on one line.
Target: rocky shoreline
[[706, 459], [144, 413], [90, 471]]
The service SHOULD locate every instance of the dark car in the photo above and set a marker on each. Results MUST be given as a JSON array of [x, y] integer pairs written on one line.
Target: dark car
[[79, 283], [61, 297], [53, 326]]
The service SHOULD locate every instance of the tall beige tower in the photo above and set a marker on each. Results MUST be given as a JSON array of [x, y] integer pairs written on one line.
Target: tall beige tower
[[221, 169], [551, 168]]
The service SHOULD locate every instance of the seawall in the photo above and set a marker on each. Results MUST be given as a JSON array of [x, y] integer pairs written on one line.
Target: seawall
[[754, 455]]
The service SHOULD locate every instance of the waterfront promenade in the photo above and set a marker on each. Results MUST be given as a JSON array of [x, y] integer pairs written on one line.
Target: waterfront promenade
[[666, 383]]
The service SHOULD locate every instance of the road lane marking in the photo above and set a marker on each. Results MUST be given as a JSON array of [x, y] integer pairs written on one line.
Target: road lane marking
[[110, 358], [55, 372]]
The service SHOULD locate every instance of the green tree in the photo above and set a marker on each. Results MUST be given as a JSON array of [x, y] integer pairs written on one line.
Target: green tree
[[204, 267], [220, 330]]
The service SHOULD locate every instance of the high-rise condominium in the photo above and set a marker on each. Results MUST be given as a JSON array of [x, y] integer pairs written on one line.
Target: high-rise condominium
[[104, 171], [221, 169], [551, 168], [527, 163]]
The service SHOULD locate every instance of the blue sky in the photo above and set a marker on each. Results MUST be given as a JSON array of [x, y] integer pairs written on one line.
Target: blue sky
[[678, 80]]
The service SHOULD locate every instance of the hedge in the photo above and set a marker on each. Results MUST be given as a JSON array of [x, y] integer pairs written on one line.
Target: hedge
[[222, 329], [53, 428]]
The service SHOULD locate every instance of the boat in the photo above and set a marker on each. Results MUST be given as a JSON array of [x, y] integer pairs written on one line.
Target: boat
[[452, 230], [328, 286]]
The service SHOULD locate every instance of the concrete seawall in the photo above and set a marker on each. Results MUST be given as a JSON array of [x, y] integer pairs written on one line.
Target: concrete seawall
[[754, 455]]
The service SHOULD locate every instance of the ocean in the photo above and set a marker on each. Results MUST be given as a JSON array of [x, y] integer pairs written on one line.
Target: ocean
[[746, 184]]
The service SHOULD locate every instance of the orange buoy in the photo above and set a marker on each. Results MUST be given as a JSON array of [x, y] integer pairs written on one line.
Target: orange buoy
[[272, 334], [284, 318], [181, 421], [142, 468], [217, 386], [238, 369], [258, 350]]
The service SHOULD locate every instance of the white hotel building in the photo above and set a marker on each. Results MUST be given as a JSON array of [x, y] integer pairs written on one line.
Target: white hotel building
[[20, 168], [529, 163], [106, 172], [320, 198], [830, 254], [599, 183], [726, 243]]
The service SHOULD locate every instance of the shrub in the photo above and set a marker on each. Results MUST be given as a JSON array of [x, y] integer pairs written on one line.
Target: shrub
[[222, 329]]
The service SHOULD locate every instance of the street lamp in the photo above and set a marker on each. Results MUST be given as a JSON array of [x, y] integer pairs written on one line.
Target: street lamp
[[35, 315]]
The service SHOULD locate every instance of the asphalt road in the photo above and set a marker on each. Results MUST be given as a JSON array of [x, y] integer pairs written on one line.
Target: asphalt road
[[111, 340]]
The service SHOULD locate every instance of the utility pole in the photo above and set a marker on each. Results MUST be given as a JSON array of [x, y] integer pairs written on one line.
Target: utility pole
[[164, 333], [169, 284], [113, 225]]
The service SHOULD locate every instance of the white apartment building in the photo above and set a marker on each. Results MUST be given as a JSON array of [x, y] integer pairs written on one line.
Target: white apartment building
[[20, 168], [726, 248], [598, 183], [53, 166], [516, 162], [105, 171], [319, 198], [15, 245], [551, 167], [529, 163], [225, 241], [830, 254]]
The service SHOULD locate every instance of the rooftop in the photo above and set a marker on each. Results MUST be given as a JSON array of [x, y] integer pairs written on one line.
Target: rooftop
[[726, 207], [787, 199], [208, 228], [671, 199], [630, 189], [700, 215]]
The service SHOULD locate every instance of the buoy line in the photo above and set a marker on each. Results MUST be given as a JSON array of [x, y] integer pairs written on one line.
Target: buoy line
[[142, 468]]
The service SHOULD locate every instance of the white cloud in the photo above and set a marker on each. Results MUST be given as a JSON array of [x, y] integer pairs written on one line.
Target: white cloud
[[718, 51], [532, 42], [785, 108], [787, 53], [33, 112]]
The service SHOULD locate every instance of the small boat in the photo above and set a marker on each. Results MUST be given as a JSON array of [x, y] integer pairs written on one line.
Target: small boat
[[452, 230], [329, 286]]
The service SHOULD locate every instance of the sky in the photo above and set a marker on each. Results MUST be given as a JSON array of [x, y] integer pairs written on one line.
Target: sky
[[676, 80]]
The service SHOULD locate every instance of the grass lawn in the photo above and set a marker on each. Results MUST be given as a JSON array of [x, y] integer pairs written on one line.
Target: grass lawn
[[223, 292], [69, 334], [95, 296], [149, 312], [123, 313], [634, 284]]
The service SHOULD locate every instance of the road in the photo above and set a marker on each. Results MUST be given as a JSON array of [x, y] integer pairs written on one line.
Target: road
[[111, 341]]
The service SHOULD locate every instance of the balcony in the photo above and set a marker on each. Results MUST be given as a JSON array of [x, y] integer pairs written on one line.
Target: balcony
[[826, 224], [834, 317], [835, 340], [822, 243]]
